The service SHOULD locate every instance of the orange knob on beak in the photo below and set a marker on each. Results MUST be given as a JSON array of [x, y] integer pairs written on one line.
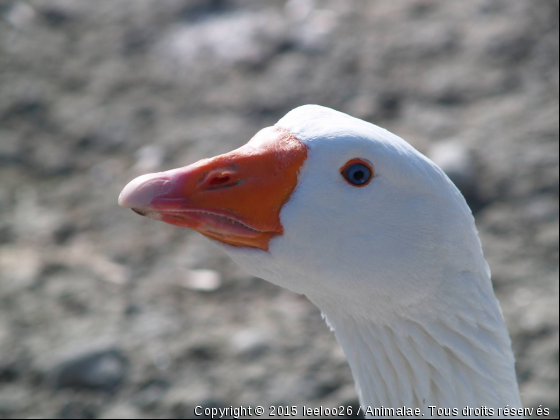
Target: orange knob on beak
[[235, 198]]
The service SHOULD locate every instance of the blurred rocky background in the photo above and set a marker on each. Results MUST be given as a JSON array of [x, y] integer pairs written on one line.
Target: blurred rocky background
[[104, 314]]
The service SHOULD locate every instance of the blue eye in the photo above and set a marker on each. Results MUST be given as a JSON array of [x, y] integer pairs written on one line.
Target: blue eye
[[357, 173]]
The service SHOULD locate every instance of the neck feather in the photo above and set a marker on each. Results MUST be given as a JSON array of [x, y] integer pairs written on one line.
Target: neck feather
[[448, 363]]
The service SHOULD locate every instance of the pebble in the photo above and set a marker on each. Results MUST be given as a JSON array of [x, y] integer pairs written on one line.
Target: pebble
[[78, 410], [202, 280], [19, 14], [102, 371], [9, 373], [251, 343]]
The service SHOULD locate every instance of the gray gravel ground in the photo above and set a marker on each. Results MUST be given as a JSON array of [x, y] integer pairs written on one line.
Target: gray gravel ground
[[101, 312]]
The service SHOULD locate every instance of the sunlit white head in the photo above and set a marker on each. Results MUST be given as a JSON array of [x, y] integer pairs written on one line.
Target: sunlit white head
[[365, 244], [284, 208]]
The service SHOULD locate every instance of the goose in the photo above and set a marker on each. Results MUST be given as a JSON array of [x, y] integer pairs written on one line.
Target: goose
[[374, 234]]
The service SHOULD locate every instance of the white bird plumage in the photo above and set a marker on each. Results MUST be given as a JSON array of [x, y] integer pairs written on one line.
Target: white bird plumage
[[396, 265], [396, 268]]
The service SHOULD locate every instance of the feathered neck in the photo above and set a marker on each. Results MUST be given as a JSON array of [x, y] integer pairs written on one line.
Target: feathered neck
[[450, 362]]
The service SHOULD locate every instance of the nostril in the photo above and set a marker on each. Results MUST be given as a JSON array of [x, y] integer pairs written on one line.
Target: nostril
[[219, 180]]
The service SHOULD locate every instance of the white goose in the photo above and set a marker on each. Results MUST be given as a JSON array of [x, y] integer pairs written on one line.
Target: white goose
[[375, 235]]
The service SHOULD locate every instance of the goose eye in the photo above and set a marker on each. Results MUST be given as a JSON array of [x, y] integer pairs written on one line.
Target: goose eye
[[357, 172]]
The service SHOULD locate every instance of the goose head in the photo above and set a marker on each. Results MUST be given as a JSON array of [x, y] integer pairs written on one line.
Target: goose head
[[366, 227], [290, 207]]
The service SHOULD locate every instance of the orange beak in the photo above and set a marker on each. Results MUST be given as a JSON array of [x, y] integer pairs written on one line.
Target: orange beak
[[235, 198]]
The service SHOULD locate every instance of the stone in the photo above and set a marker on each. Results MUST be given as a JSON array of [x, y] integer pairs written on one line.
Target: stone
[[203, 280], [103, 371]]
